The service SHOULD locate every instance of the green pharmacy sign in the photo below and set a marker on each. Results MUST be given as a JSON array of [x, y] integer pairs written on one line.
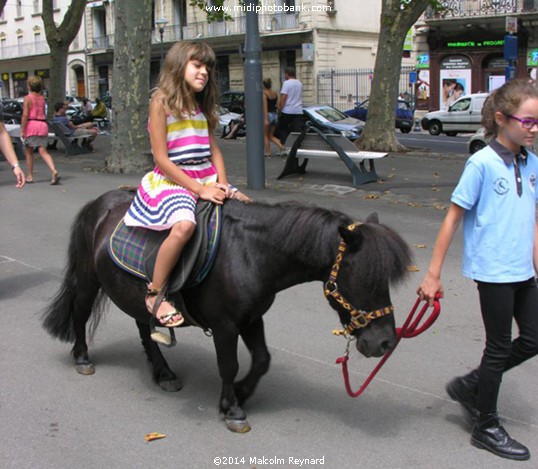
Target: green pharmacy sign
[[475, 44]]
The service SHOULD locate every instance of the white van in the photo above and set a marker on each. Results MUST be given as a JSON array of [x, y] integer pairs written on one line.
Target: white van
[[464, 115]]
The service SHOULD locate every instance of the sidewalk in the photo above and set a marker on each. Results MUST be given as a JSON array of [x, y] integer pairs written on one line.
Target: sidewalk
[[418, 177]]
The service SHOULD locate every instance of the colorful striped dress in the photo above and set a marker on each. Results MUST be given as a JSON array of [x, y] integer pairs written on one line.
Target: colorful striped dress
[[159, 202]]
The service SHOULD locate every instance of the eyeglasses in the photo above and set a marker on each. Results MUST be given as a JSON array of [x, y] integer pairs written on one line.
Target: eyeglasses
[[527, 124]]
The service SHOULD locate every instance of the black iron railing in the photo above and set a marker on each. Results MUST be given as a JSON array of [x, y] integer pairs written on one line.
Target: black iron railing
[[477, 8]]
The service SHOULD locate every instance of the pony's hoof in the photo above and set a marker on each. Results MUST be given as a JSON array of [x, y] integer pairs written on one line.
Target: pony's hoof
[[171, 386], [85, 369], [237, 426]]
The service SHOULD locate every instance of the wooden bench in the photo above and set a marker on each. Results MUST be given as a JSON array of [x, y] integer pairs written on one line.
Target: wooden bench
[[70, 142], [313, 143]]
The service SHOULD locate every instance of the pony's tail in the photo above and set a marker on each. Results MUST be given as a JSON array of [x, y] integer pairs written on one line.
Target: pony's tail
[[58, 317]]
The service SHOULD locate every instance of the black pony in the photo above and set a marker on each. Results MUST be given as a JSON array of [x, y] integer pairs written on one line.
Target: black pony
[[263, 249]]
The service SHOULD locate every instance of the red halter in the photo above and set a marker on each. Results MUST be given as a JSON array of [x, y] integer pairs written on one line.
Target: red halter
[[408, 330]]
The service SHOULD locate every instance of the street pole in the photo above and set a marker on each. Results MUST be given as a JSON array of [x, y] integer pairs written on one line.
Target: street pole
[[253, 100], [161, 23]]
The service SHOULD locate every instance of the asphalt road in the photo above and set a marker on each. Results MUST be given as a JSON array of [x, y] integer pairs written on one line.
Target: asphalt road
[[54, 418], [440, 143]]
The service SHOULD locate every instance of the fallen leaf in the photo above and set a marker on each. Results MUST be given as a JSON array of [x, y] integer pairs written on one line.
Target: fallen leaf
[[420, 246], [371, 196], [413, 268], [154, 436]]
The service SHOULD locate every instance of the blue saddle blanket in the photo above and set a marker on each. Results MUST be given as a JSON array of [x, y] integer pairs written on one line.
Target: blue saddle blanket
[[135, 249]]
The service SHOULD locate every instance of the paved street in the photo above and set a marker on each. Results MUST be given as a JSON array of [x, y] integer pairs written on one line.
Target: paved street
[[54, 418]]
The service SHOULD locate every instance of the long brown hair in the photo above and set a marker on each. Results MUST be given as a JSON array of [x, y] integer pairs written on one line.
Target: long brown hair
[[178, 98], [507, 100]]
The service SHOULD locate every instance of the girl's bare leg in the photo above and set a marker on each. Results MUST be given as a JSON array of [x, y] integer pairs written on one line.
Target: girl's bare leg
[[266, 142], [29, 164], [167, 258], [47, 158]]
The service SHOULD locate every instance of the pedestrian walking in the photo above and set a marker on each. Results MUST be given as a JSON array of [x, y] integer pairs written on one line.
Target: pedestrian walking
[[496, 197], [35, 130], [189, 164], [290, 106], [270, 112]]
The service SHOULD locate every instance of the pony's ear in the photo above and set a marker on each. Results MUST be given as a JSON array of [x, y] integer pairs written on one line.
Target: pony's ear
[[372, 218], [353, 239]]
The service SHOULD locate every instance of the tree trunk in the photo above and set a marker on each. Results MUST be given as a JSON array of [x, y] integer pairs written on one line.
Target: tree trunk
[[397, 17], [130, 89], [59, 39]]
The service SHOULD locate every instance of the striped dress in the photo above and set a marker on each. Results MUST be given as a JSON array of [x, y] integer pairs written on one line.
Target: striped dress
[[159, 202]]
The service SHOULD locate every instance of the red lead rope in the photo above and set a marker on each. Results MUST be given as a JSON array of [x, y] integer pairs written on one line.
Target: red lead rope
[[409, 329]]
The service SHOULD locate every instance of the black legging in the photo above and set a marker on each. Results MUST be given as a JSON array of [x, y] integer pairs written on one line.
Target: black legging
[[500, 304]]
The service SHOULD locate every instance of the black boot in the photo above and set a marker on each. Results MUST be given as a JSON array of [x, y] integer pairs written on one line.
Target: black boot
[[488, 433], [465, 391]]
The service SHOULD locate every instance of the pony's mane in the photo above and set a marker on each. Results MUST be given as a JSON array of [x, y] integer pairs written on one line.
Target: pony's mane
[[301, 230], [384, 254], [306, 229]]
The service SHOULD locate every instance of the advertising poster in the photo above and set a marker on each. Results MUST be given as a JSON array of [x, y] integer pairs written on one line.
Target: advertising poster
[[423, 85], [455, 80]]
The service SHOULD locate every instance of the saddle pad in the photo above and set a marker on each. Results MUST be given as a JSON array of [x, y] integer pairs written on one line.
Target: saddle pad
[[135, 249]]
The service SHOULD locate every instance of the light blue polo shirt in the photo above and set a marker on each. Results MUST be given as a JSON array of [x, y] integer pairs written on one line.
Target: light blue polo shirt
[[498, 226]]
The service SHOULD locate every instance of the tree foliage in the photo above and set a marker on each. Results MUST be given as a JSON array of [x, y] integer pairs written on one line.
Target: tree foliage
[[397, 17], [2, 5]]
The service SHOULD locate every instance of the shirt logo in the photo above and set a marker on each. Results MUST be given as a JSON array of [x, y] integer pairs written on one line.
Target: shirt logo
[[501, 186], [532, 181]]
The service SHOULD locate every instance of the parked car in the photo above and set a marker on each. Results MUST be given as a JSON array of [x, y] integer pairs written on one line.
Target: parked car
[[332, 121], [234, 101], [225, 117], [404, 114], [477, 141], [12, 110], [464, 115]]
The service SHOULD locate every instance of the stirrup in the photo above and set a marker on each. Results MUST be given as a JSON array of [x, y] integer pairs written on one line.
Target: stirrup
[[161, 337]]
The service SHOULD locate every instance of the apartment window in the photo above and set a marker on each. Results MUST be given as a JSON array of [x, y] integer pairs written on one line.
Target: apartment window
[[37, 10], [2, 46], [19, 8]]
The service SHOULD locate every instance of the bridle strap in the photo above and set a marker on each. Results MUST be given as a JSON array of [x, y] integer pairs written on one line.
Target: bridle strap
[[359, 319]]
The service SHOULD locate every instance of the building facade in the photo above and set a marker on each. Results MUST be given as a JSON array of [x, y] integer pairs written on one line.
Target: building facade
[[465, 44], [24, 50], [311, 35]]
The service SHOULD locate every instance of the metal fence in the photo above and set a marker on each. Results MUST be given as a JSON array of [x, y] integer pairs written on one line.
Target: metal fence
[[343, 88]]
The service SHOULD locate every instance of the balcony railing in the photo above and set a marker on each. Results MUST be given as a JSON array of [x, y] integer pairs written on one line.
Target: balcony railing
[[202, 29], [103, 43], [24, 50], [459, 9]]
